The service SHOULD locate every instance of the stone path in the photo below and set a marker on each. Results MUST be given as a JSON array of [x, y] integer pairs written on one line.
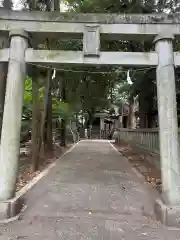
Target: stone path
[[92, 193]]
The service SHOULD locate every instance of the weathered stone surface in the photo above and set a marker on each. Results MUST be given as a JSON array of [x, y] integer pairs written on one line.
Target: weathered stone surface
[[77, 57], [4, 210], [91, 41], [168, 215], [113, 26], [4, 55], [168, 127], [11, 208], [89, 17], [11, 126]]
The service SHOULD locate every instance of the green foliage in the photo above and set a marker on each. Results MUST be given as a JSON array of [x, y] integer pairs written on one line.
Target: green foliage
[[123, 6], [115, 87], [27, 107], [141, 80], [60, 109]]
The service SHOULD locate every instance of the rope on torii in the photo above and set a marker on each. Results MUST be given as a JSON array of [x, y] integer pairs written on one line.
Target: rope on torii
[[129, 78]]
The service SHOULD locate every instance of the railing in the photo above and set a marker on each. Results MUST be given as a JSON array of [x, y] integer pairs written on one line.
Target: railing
[[147, 139]]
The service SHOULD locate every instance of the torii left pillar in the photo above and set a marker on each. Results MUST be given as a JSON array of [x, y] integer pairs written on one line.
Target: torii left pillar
[[11, 126]]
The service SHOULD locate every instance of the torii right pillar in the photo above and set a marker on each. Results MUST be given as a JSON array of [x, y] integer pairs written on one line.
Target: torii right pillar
[[168, 209]]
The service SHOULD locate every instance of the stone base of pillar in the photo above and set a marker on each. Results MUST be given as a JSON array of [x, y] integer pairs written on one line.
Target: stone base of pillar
[[11, 209], [168, 215]]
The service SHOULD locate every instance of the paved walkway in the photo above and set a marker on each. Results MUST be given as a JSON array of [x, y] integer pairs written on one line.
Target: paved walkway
[[91, 194]]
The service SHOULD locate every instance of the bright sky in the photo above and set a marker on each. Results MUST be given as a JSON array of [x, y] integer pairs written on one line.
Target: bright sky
[[18, 5]]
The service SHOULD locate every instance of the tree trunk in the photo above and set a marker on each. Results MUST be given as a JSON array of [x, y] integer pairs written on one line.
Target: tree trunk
[[131, 113], [129, 125], [63, 133], [7, 4], [35, 125], [44, 112], [142, 116], [48, 132], [55, 5], [149, 119], [142, 110], [90, 114], [63, 121]]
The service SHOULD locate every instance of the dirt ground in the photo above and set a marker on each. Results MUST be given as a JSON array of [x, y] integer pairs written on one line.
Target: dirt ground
[[150, 173], [25, 174]]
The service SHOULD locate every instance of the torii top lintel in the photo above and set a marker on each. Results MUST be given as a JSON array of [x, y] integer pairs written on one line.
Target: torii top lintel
[[114, 25], [100, 18]]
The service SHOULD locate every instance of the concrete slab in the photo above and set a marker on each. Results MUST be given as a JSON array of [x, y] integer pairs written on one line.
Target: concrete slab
[[92, 193], [168, 215]]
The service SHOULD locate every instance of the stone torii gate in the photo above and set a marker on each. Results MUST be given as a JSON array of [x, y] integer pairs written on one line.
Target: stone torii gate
[[161, 29]]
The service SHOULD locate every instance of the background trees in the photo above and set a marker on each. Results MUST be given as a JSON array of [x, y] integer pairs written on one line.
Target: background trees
[[144, 81]]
